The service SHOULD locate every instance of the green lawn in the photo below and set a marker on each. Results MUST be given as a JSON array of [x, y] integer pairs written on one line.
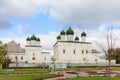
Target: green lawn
[[25, 71], [30, 77], [116, 68], [42, 73], [92, 68], [31, 71], [94, 78], [41, 70]]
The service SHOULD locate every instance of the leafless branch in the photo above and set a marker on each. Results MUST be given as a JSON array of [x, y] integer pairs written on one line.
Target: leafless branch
[[115, 39], [101, 46]]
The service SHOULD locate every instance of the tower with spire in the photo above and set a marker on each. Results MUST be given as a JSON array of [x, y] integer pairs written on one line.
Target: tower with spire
[[33, 41], [62, 33], [70, 34], [83, 37], [77, 39]]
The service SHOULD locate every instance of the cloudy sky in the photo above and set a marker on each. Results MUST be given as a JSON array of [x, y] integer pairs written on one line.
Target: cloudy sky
[[46, 18]]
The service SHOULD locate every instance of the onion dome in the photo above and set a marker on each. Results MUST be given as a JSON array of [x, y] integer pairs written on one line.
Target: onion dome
[[33, 37], [38, 39], [28, 39], [83, 34], [18, 44], [62, 32], [77, 38], [58, 37], [70, 31]]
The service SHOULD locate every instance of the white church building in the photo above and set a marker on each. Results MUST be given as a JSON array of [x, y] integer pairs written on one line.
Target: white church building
[[68, 49], [31, 56]]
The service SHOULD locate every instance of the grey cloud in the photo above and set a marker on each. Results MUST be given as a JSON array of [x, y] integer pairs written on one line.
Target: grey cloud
[[10, 9], [5, 25], [88, 13], [85, 13], [18, 9]]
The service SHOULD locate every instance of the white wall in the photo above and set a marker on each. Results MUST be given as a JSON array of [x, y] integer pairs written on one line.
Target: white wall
[[30, 52], [69, 48], [12, 57], [78, 57]]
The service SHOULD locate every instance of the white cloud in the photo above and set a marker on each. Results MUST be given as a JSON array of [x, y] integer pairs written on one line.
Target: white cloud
[[85, 13], [11, 34], [17, 8], [47, 41], [10, 9], [19, 28], [88, 13], [20, 40], [100, 36]]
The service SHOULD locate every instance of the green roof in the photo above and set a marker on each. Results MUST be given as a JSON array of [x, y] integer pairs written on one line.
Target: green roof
[[70, 31], [58, 37], [76, 38], [38, 39], [83, 34], [28, 39], [62, 32], [33, 37]]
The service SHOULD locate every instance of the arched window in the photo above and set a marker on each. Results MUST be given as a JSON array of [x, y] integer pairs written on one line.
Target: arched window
[[16, 57], [84, 59], [45, 58], [86, 51], [21, 57], [63, 51], [33, 54], [74, 51], [33, 58], [82, 51]]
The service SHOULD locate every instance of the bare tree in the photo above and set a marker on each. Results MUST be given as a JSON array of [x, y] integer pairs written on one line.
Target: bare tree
[[109, 49]]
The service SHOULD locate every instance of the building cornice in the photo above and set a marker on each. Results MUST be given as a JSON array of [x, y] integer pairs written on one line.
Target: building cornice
[[32, 46], [45, 52], [72, 42]]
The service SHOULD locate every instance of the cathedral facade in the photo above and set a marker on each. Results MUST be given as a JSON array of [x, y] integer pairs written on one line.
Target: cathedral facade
[[70, 49], [67, 49], [30, 56]]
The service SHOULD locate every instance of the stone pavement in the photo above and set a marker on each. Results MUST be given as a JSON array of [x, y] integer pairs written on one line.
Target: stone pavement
[[65, 75], [80, 73]]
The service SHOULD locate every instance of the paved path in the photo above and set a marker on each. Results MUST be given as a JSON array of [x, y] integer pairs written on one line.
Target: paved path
[[68, 75]]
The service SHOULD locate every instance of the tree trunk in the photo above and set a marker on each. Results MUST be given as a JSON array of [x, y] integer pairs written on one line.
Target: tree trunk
[[109, 69], [6, 66]]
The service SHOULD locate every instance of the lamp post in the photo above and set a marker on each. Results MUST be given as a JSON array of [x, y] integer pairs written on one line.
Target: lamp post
[[96, 63], [85, 60], [16, 61], [6, 66], [53, 62], [17, 57]]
